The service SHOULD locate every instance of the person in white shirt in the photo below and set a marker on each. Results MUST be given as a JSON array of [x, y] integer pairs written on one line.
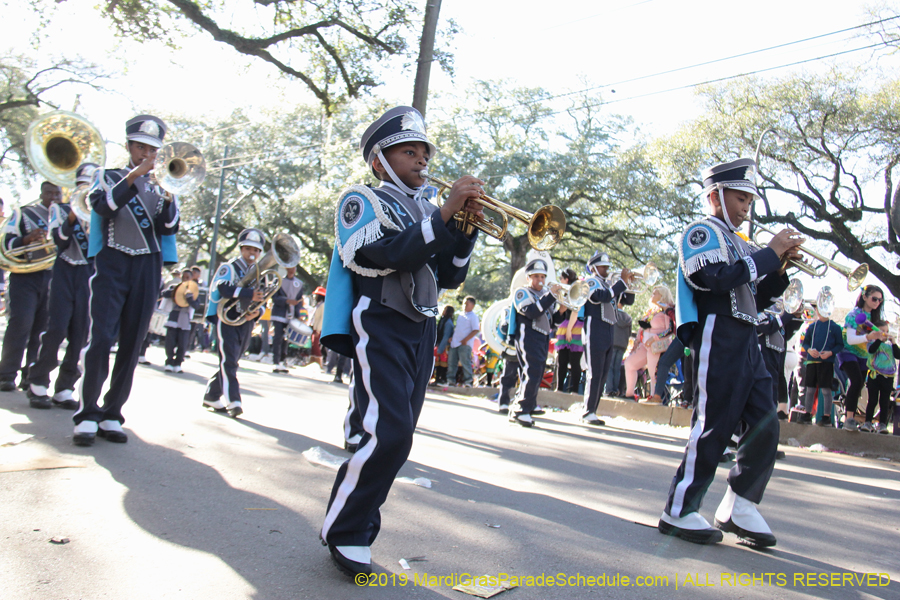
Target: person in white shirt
[[462, 343]]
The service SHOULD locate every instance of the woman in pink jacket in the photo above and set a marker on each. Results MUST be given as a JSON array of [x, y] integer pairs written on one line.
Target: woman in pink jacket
[[656, 328]]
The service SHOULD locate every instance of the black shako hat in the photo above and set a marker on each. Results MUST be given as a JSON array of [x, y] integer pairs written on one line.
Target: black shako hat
[[536, 266], [399, 124], [739, 174], [146, 129]]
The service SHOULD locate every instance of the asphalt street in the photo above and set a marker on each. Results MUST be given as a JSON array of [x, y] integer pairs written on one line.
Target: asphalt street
[[198, 505]]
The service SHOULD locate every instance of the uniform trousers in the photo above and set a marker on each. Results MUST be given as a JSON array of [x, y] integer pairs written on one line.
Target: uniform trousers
[[26, 320], [277, 341], [598, 358], [774, 361], [532, 348], [69, 296], [353, 424], [232, 342], [734, 392], [394, 358], [508, 379], [124, 289], [176, 345]]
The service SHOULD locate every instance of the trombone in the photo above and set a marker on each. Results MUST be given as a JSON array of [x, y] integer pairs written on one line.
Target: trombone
[[855, 277], [545, 227]]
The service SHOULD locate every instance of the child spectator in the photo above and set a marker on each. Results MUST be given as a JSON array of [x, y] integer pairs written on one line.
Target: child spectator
[[821, 341], [882, 365]]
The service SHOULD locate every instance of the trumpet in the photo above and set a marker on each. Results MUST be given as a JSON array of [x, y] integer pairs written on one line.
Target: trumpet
[[179, 168], [573, 296], [855, 277], [545, 227], [645, 277]]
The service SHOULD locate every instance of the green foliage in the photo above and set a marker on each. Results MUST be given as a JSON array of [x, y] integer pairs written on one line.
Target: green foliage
[[833, 168], [335, 47]]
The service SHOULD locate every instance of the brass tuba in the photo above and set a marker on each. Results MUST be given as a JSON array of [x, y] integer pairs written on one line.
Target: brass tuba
[[545, 227], [56, 144], [59, 142], [263, 275]]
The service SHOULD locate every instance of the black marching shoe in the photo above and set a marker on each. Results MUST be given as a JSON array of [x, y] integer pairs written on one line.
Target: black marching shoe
[[7, 386], [522, 419], [214, 404], [112, 433], [36, 400], [739, 516], [235, 410], [344, 564], [699, 532], [85, 433], [537, 411]]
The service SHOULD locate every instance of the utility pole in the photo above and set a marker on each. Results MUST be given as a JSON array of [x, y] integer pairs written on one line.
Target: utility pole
[[426, 55], [215, 237]]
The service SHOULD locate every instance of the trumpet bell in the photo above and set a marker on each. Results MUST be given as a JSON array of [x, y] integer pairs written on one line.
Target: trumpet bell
[[546, 227], [857, 277], [825, 302], [59, 142], [179, 168], [793, 296]]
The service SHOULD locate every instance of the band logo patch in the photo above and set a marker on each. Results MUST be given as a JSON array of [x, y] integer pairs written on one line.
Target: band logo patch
[[697, 238], [351, 212]]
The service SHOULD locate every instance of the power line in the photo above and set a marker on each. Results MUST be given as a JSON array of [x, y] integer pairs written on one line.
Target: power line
[[703, 64], [729, 77]]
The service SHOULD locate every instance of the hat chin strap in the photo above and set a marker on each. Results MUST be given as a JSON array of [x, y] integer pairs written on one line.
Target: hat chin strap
[[721, 190], [396, 180]]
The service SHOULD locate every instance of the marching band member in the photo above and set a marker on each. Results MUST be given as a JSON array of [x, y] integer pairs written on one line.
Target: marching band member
[[394, 249], [599, 318], [233, 340], [133, 230], [28, 292], [534, 319], [284, 304], [69, 297], [722, 286], [774, 330], [178, 325]]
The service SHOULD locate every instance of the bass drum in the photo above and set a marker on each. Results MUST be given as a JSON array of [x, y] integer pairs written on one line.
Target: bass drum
[[491, 321], [298, 332]]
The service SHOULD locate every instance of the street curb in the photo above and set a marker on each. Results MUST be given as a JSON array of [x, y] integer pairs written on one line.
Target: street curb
[[868, 444]]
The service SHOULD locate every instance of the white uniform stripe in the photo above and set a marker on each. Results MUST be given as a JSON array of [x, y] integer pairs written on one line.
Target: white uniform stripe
[[520, 344], [370, 422], [224, 376], [88, 344], [351, 409], [586, 341], [427, 231], [690, 460]]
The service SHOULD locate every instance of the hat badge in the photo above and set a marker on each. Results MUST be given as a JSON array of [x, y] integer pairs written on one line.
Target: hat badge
[[150, 128], [412, 121], [750, 174]]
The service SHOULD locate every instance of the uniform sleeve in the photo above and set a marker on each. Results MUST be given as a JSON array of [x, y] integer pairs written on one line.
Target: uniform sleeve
[[453, 261], [409, 249], [769, 326], [603, 295], [168, 219], [720, 277], [770, 288], [532, 310], [12, 236], [112, 195]]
